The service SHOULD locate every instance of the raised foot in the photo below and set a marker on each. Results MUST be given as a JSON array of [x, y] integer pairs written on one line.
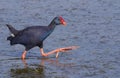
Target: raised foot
[[65, 49]]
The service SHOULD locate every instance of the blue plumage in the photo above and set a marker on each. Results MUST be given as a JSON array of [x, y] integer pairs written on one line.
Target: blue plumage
[[32, 36]]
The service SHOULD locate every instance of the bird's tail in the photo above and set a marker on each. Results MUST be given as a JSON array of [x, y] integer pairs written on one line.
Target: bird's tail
[[12, 30], [10, 38]]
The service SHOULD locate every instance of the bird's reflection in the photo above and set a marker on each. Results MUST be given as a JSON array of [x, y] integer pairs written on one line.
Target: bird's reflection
[[42, 61], [54, 62], [36, 70]]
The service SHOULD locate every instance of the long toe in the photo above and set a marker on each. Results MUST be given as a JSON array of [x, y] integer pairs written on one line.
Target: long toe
[[57, 54], [67, 48]]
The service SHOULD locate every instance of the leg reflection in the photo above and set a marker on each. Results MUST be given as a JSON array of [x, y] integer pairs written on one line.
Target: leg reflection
[[49, 61]]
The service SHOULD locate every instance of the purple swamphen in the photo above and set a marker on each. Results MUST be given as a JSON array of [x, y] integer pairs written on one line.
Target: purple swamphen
[[35, 35]]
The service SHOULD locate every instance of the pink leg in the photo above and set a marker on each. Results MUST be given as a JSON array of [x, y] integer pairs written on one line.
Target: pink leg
[[58, 50], [23, 55]]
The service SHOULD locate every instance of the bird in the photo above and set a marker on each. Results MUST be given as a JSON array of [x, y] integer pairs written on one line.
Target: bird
[[33, 36]]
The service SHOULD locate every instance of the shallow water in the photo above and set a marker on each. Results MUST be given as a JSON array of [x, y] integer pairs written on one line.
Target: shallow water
[[94, 25]]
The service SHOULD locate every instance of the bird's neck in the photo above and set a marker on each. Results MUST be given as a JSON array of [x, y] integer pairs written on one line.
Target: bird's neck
[[52, 25]]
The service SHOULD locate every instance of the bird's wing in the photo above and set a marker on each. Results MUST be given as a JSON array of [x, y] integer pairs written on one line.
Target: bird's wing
[[30, 35]]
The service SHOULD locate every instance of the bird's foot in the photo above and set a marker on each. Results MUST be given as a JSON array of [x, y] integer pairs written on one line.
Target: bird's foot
[[65, 49]]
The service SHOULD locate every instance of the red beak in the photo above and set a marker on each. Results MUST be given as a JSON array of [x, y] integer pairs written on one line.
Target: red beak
[[64, 23]]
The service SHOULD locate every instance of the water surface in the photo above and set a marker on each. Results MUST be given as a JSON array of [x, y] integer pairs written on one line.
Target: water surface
[[94, 25]]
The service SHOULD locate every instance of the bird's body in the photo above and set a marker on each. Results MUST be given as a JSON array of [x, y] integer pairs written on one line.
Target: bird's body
[[31, 36]]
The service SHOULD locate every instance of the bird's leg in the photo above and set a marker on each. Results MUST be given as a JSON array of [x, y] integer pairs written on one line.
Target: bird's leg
[[49, 53], [58, 50], [42, 52], [23, 55]]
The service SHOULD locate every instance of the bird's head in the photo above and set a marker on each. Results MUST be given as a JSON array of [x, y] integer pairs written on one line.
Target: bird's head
[[59, 20]]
